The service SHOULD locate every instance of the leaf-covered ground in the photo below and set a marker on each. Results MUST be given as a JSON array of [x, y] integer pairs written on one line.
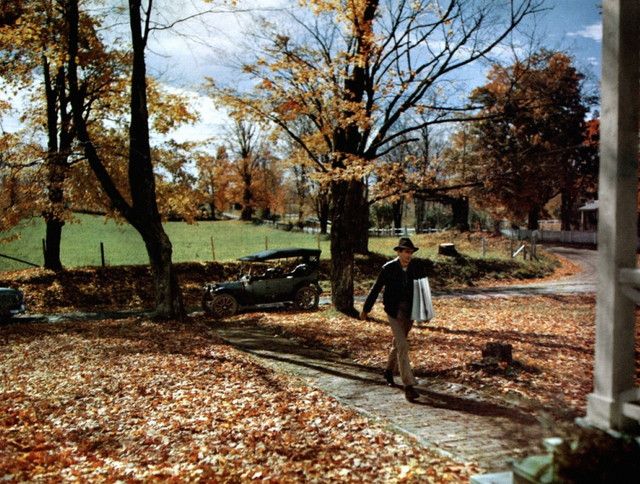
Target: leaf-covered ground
[[133, 400], [552, 338], [136, 400]]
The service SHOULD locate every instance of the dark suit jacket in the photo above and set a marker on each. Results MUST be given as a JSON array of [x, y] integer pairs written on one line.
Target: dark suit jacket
[[391, 277]]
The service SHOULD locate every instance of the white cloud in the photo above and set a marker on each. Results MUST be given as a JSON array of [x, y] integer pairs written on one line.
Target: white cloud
[[202, 38], [20, 100], [593, 32], [211, 123]]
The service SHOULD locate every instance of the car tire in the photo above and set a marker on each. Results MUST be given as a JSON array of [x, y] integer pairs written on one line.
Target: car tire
[[219, 305], [306, 298]]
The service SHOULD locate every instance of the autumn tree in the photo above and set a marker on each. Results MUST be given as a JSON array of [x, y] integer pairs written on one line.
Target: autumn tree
[[435, 183], [309, 176], [59, 172], [531, 145], [301, 184], [139, 207], [251, 162], [19, 181], [364, 74], [269, 186], [33, 47], [214, 178], [585, 183]]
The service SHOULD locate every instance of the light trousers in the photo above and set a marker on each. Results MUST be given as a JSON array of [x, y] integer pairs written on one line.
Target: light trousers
[[399, 355]]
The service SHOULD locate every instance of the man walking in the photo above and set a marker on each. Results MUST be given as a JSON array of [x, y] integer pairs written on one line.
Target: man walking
[[397, 278]]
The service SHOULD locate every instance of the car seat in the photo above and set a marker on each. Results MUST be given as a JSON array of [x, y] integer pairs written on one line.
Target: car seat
[[300, 270]]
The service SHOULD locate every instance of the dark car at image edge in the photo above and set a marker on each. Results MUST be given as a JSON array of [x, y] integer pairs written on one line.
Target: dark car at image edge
[[11, 302]]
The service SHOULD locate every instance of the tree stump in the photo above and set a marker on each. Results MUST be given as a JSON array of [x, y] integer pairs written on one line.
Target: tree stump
[[448, 249], [500, 351]]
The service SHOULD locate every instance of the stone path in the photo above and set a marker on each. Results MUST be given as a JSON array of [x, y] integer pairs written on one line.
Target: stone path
[[448, 418]]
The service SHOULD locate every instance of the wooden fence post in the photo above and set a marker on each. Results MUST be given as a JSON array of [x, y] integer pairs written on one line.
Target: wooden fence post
[[102, 254], [213, 250]]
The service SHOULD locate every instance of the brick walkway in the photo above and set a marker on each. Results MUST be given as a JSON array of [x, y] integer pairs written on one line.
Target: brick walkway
[[448, 418]]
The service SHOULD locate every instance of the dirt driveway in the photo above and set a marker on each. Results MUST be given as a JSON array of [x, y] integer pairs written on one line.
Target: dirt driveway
[[583, 281]]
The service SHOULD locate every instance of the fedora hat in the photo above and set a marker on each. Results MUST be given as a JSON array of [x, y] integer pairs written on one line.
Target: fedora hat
[[405, 243]]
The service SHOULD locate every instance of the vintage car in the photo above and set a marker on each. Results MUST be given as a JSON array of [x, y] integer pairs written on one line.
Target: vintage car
[[11, 302], [292, 280]]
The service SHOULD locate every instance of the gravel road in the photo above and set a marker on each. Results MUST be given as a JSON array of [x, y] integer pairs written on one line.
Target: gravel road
[[583, 282]]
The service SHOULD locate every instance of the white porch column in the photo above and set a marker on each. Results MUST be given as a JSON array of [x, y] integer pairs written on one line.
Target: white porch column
[[615, 336]]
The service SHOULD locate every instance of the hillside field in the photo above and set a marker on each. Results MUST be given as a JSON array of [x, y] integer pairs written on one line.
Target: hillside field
[[192, 242], [123, 245]]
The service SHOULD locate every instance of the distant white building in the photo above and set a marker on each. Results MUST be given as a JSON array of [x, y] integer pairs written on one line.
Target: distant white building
[[589, 216]]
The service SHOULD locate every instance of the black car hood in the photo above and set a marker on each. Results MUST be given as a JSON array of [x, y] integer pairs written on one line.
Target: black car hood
[[227, 285]]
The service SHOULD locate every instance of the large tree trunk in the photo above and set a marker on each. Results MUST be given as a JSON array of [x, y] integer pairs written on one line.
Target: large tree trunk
[[398, 208], [168, 299], [323, 205], [534, 217], [420, 212], [347, 199], [460, 208], [247, 200], [54, 214], [142, 179], [566, 210], [349, 228], [52, 245], [361, 228], [247, 213], [143, 212], [56, 166], [496, 227]]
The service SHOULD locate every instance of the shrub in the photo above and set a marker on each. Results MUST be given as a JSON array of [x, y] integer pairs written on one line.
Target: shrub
[[588, 455]]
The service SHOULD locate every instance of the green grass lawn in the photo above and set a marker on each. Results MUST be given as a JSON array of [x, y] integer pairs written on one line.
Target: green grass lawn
[[123, 245], [232, 239]]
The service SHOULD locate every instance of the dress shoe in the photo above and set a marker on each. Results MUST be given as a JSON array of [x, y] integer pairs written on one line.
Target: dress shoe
[[388, 376], [410, 393]]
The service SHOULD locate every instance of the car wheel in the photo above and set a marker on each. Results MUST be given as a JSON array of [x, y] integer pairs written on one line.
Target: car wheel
[[306, 298], [219, 305]]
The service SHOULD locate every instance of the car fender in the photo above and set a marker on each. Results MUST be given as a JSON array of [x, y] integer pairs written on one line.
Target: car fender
[[239, 294], [315, 284]]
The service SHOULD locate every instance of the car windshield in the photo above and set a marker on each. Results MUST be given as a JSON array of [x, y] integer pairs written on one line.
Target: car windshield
[[295, 266], [281, 263]]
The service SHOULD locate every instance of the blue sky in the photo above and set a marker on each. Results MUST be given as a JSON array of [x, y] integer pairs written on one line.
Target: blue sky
[[573, 26], [182, 63]]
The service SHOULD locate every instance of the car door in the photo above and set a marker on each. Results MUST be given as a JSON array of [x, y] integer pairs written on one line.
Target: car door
[[258, 290], [282, 287]]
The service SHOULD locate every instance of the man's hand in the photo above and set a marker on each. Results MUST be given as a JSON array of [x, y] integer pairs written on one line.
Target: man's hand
[[364, 316]]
